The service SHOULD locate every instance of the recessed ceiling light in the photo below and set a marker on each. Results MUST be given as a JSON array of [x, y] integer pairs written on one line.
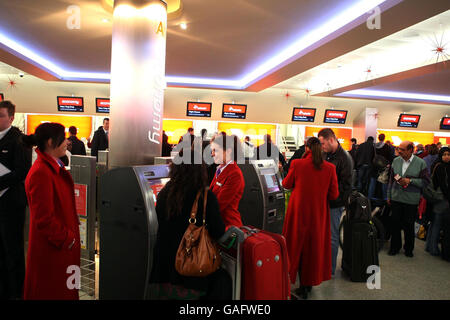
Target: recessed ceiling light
[[105, 20], [183, 26]]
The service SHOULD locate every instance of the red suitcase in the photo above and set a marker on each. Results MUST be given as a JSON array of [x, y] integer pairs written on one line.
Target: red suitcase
[[265, 266]]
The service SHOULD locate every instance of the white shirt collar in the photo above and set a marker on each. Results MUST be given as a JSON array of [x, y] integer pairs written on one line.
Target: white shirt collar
[[4, 132], [410, 159], [222, 168]]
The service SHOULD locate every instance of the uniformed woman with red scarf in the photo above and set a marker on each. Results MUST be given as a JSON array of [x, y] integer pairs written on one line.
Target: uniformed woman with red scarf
[[228, 182]]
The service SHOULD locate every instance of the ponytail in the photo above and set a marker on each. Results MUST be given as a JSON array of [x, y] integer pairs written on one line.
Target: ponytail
[[316, 149], [44, 132]]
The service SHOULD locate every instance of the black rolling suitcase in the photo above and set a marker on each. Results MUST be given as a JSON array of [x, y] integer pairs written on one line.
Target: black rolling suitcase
[[360, 240], [445, 249]]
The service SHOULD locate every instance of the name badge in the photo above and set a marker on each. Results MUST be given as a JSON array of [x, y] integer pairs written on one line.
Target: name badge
[[219, 184]]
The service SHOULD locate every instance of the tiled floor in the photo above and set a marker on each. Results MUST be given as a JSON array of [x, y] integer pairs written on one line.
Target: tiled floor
[[422, 277]]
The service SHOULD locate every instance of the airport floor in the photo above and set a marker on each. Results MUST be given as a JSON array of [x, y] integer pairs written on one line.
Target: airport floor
[[423, 277]]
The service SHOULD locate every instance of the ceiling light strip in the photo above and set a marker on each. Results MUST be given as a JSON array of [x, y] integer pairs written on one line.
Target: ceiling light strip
[[395, 95], [312, 37]]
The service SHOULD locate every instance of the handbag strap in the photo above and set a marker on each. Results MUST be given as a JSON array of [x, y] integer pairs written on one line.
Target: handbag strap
[[192, 218]]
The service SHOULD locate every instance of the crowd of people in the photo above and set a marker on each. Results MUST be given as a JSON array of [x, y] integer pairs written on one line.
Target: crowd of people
[[321, 175]]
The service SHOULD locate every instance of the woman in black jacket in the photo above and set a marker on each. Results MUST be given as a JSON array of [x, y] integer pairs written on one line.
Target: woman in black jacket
[[441, 179], [173, 207]]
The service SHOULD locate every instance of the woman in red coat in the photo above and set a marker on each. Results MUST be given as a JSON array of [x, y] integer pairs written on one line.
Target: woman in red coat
[[228, 182], [54, 240], [307, 223]]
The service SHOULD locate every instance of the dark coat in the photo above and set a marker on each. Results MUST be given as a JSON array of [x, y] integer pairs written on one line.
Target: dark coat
[[170, 233], [54, 225], [307, 223], [17, 158], [344, 168], [78, 147], [228, 188], [365, 154], [99, 142], [298, 154]]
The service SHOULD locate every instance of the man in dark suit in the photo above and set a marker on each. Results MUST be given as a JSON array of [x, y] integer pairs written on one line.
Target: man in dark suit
[[100, 141], [78, 147], [15, 161]]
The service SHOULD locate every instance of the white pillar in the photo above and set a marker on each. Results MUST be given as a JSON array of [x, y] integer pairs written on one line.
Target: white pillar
[[137, 81]]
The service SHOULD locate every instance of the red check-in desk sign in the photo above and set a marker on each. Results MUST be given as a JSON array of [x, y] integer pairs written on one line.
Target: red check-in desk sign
[[199, 109], [102, 105], [304, 114], [234, 111], [335, 116], [81, 199], [71, 104], [408, 120]]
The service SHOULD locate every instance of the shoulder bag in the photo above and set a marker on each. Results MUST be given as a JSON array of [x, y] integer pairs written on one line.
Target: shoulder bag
[[198, 254]]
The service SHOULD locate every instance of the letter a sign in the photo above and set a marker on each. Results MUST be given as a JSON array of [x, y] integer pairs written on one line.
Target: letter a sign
[[160, 29]]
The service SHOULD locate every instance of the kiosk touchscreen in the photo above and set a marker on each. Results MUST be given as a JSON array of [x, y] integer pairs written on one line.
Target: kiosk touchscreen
[[262, 204], [128, 229]]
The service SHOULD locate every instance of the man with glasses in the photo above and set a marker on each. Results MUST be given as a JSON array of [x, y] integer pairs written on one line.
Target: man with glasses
[[408, 176]]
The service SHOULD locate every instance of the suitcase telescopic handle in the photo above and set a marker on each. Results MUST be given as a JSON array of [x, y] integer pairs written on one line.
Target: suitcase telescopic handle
[[233, 232]]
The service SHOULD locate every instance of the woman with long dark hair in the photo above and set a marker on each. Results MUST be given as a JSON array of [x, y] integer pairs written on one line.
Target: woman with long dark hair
[[228, 182], [441, 179], [54, 240], [173, 206], [307, 223]]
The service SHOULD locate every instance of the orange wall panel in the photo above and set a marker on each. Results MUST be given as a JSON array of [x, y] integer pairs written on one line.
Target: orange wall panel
[[255, 131], [396, 137], [176, 128], [343, 134], [82, 123]]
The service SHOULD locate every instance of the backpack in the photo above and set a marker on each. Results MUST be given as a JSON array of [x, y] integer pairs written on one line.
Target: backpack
[[358, 207]]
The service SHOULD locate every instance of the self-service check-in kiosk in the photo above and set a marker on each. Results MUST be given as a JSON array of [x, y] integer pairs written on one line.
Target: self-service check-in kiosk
[[128, 229], [262, 204]]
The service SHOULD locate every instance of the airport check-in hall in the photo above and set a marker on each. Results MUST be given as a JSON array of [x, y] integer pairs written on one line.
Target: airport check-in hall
[[224, 150]]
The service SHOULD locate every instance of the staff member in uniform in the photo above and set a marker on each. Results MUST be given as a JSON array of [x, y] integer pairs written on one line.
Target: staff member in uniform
[[54, 243], [228, 183]]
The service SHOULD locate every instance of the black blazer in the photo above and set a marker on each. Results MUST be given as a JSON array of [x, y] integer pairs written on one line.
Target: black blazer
[[78, 147], [171, 231], [17, 158], [99, 142]]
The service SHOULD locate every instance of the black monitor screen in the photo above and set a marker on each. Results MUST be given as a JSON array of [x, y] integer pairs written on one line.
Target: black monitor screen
[[408, 120], [445, 123], [335, 116], [71, 104], [102, 105]]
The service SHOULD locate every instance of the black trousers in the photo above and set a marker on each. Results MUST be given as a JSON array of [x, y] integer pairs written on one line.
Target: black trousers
[[402, 218], [12, 255]]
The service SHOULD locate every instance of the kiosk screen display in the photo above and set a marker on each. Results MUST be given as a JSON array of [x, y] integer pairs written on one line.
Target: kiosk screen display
[[445, 123], [234, 111], [70, 104], [408, 120], [272, 183], [304, 114], [102, 105], [157, 185], [335, 116], [199, 109]]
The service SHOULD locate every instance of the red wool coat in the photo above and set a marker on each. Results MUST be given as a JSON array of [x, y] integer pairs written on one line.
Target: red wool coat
[[228, 188], [54, 225], [307, 223]]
